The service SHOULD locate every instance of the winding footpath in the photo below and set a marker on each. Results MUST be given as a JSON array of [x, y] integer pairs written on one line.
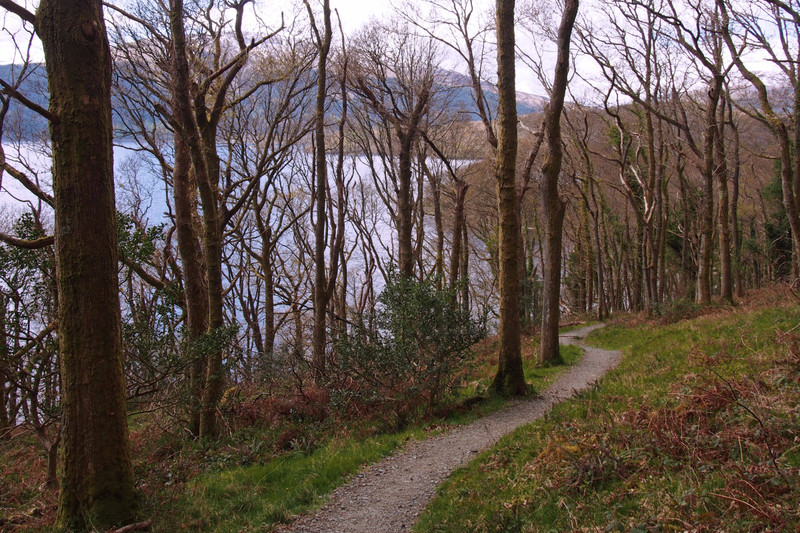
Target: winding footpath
[[389, 495]]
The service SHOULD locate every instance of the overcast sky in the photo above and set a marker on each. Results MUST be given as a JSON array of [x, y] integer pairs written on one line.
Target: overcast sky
[[353, 14]]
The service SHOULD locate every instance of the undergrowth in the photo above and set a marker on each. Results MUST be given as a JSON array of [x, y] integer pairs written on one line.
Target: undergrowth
[[697, 430], [282, 451]]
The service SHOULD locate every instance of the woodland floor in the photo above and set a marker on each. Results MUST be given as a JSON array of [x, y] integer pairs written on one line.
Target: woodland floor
[[390, 494]]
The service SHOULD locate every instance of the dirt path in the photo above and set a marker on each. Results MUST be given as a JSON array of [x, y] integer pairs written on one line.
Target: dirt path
[[390, 494]]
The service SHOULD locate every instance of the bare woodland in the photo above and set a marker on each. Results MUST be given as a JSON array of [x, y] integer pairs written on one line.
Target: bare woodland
[[287, 199]]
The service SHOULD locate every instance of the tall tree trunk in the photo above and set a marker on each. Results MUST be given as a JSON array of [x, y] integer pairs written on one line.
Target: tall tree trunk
[[4, 369], [405, 220], [321, 294], [650, 252], [465, 301], [553, 213], [194, 282], [552, 205], [458, 229], [267, 271], [435, 183], [509, 378], [199, 133], [723, 204], [738, 288], [97, 489], [707, 215], [212, 245]]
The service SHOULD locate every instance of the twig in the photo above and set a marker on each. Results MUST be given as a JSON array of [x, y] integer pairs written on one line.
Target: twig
[[750, 505], [139, 526]]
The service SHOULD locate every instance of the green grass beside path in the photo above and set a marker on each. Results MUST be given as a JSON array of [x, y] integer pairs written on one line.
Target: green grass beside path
[[259, 497], [697, 429]]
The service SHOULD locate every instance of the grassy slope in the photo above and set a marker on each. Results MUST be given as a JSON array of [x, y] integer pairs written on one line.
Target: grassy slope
[[258, 497], [698, 429]]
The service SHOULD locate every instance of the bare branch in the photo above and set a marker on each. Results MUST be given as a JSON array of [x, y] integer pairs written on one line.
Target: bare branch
[[19, 11]]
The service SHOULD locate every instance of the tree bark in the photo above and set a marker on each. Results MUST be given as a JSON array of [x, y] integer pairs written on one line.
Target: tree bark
[[459, 224], [97, 489], [703, 295], [738, 288], [195, 289], [552, 205], [4, 422], [509, 378], [723, 213], [321, 294]]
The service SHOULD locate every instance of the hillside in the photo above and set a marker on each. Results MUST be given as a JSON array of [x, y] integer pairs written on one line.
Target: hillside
[[24, 123], [696, 429]]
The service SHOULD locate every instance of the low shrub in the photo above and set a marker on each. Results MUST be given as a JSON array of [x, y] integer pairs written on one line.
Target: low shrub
[[406, 355]]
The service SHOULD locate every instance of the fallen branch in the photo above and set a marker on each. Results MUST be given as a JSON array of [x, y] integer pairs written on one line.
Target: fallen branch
[[139, 526]]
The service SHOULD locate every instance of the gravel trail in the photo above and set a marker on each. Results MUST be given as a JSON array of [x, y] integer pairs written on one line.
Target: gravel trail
[[389, 495]]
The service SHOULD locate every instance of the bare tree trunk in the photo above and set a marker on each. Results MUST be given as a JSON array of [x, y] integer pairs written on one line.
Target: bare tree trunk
[[52, 448], [405, 220], [321, 294], [212, 245], [458, 229], [199, 130], [4, 370], [738, 289], [97, 489], [552, 205], [723, 205], [435, 183], [194, 282], [509, 378], [465, 302], [703, 295], [267, 271]]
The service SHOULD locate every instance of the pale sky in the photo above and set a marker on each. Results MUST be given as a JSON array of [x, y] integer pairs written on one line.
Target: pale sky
[[353, 13]]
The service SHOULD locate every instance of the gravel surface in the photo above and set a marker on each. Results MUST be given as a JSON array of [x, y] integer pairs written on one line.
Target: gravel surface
[[389, 495]]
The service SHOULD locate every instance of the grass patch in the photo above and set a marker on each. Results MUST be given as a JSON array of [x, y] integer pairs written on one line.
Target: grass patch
[[695, 430], [281, 454], [258, 497], [235, 496]]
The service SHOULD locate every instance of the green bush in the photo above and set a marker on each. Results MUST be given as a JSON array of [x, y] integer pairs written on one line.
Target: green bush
[[404, 356]]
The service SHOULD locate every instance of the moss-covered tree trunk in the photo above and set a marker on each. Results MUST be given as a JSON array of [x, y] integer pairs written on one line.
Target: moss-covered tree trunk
[[509, 378], [703, 295], [4, 366], [552, 204], [97, 489], [723, 212], [194, 281], [212, 246], [405, 207]]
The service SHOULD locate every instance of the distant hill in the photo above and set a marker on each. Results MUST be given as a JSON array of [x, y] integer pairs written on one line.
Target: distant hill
[[21, 122], [460, 91]]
